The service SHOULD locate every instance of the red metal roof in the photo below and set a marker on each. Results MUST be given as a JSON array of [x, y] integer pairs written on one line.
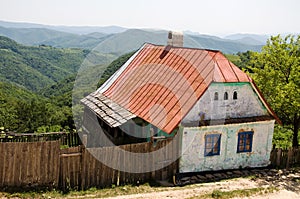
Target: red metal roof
[[161, 84]]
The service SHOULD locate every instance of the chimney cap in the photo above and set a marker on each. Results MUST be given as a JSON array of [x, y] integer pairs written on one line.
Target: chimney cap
[[175, 38]]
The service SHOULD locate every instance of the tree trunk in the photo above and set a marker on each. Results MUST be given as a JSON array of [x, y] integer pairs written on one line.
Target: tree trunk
[[296, 126]]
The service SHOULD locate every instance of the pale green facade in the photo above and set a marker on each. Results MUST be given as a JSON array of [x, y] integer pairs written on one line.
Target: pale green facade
[[193, 144]]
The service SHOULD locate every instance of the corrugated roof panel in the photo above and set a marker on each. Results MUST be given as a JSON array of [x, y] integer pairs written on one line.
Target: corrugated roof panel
[[159, 74], [225, 68], [242, 76], [190, 97]]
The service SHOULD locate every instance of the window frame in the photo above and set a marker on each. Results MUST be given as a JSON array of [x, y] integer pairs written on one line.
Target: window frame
[[244, 142], [209, 150]]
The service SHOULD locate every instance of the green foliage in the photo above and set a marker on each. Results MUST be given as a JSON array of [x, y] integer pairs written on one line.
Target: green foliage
[[113, 67], [282, 137], [52, 71], [38, 67], [276, 70], [242, 60], [26, 112]]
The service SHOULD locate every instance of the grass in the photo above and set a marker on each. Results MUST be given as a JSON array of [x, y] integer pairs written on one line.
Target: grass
[[237, 193], [90, 193], [131, 189]]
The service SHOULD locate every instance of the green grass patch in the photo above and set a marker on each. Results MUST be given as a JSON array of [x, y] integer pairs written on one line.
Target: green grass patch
[[237, 193], [89, 193]]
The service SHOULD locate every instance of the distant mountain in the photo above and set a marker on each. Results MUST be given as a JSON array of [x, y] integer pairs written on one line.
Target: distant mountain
[[31, 36], [249, 38], [68, 29], [76, 41], [89, 29], [134, 38], [224, 45], [123, 41], [38, 67], [131, 40], [250, 41], [39, 36]]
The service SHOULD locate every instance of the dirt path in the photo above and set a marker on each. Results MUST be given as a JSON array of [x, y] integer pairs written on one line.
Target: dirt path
[[208, 188]]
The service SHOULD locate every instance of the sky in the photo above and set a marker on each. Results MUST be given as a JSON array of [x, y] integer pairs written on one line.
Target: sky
[[216, 17]]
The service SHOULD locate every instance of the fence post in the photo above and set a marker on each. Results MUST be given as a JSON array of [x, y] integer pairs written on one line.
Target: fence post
[[82, 169], [278, 158], [289, 158]]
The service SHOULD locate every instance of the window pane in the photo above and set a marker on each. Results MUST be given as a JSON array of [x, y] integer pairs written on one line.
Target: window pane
[[212, 144], [216, 97], [247, 147], [225, 96], [234, 95], [245, 141]]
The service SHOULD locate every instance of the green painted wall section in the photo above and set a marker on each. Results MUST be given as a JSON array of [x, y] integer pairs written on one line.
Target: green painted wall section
[[193, 143]]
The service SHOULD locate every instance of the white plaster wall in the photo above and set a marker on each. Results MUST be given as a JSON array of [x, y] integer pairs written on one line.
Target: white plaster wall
[[246, 105], [193, 143]]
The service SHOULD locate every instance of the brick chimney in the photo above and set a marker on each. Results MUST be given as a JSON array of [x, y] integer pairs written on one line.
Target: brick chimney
[[175, 39]]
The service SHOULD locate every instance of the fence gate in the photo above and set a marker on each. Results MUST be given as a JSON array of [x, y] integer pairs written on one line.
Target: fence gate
[[70, 168]]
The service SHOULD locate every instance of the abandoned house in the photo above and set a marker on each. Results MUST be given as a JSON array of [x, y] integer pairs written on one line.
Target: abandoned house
[[161, 91]]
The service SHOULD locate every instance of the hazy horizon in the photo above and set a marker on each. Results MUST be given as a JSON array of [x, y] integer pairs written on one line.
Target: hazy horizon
[[218, 17]]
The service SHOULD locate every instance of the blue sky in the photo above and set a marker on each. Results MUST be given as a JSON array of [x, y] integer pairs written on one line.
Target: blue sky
[[217, 17]]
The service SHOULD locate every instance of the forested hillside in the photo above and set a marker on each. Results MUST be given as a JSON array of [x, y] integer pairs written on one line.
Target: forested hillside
[[36, 84], [50, 109], [38, 67], [26, 112]]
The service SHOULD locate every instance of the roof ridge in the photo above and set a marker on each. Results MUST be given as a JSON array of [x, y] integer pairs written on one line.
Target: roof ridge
[[184, 47]]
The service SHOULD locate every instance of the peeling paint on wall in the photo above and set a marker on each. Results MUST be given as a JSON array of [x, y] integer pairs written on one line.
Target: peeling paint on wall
[[193, 144], [247, 103]]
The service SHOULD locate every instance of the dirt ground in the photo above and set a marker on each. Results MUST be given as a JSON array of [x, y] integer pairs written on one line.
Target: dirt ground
[[283, 191]]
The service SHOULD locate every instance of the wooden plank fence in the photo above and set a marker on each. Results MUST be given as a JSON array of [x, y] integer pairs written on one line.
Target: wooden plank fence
[[44, 164], [285, 158], [29, 164], [67, 138], [81, 168]]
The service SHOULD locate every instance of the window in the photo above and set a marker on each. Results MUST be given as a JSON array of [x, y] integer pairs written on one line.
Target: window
[[216, 96], [212, 144], [225, 96], [245, 141], [234, 95]]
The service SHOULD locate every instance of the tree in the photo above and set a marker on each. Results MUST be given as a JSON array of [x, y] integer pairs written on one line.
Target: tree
[[276, 71]]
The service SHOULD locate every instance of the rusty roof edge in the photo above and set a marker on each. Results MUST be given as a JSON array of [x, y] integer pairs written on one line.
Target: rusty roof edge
[[113, 78], [264, 101]]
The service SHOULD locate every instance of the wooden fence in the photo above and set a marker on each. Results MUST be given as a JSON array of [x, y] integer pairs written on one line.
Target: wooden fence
[[44, 164], [81, 168], [285, 158], [69, 139], [26, 164]]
